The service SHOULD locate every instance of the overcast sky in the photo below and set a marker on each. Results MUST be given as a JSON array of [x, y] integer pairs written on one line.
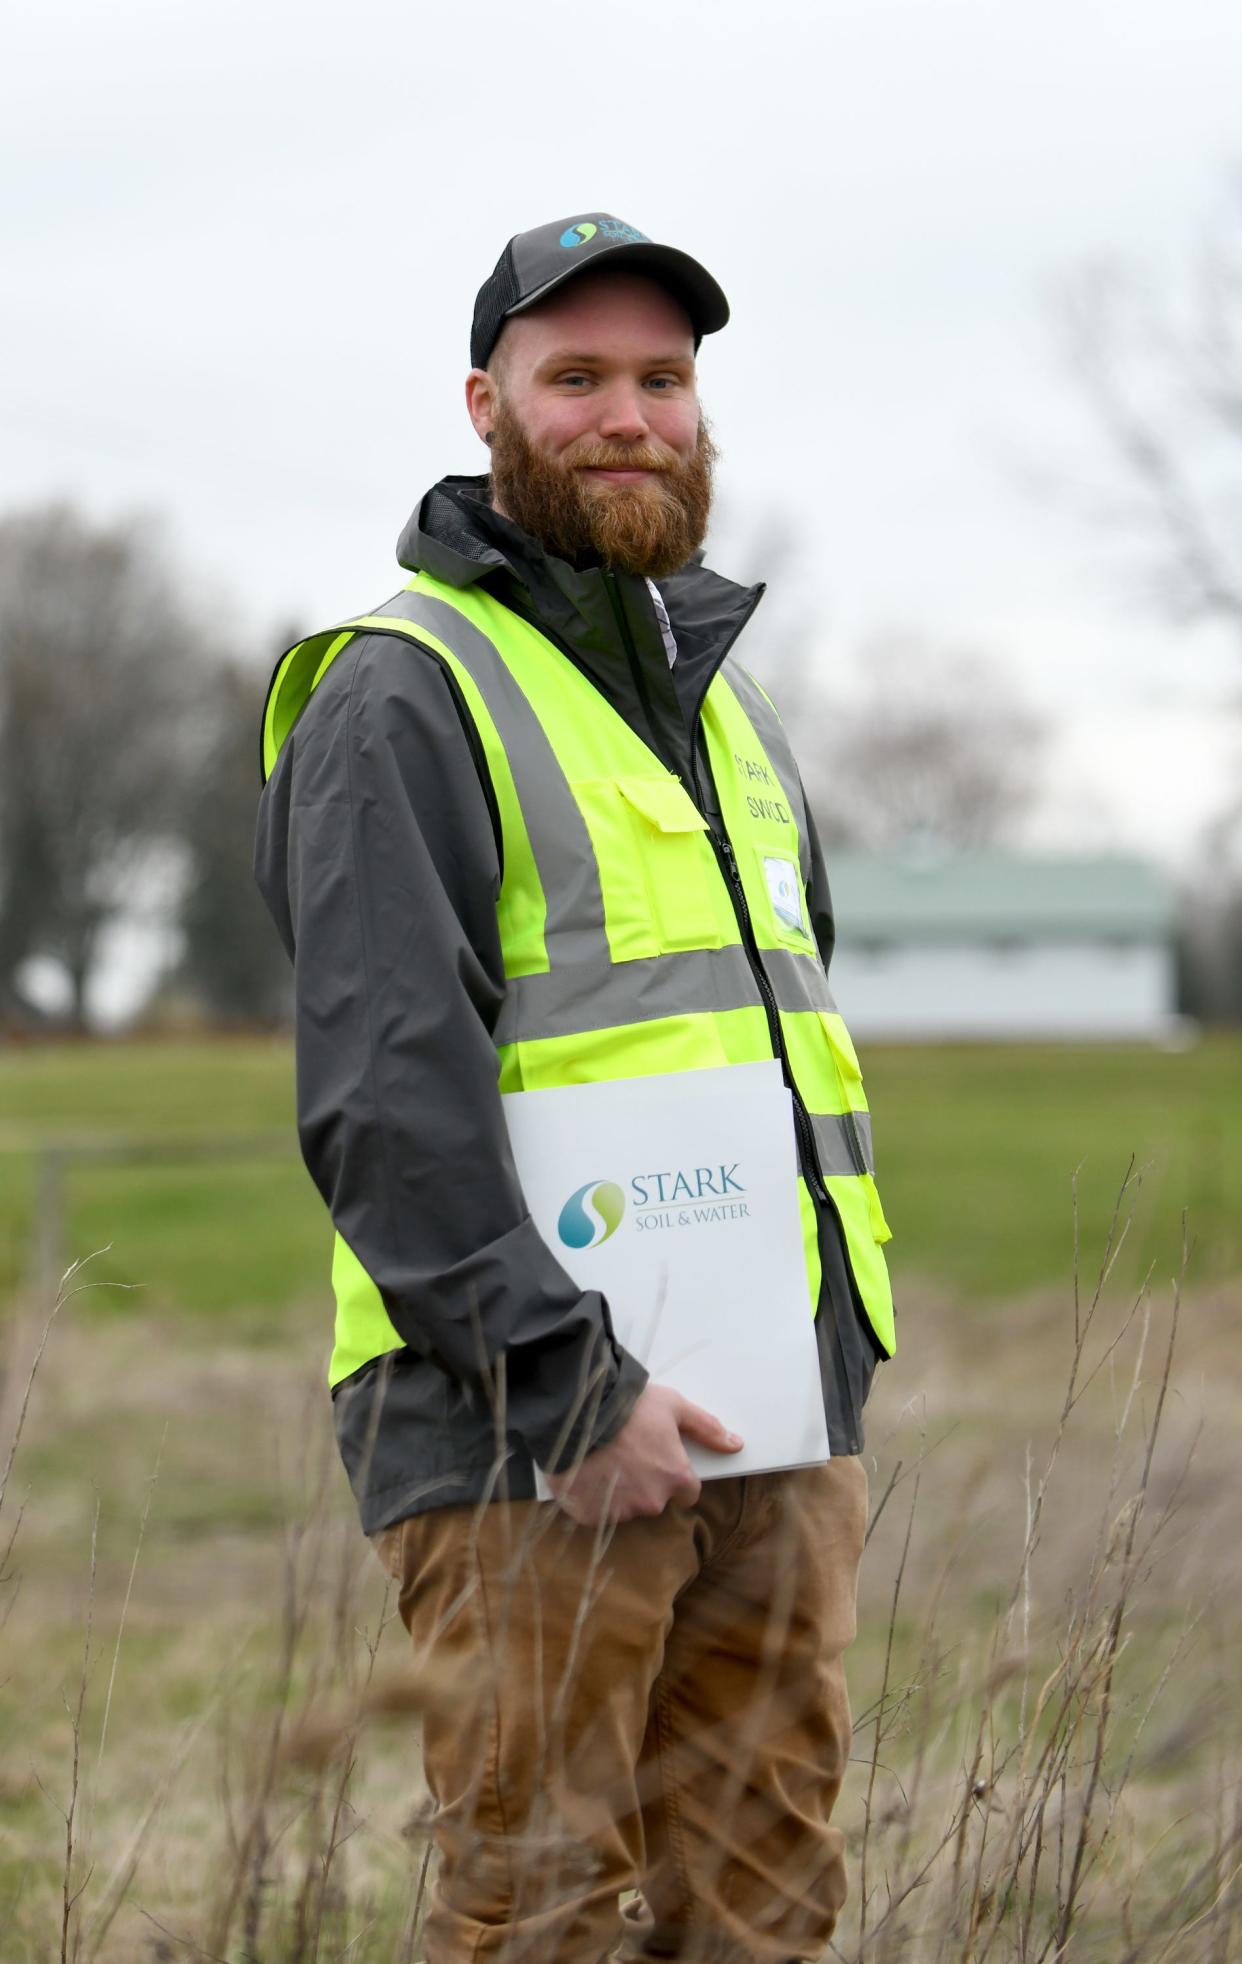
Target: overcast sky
[[241, 245]]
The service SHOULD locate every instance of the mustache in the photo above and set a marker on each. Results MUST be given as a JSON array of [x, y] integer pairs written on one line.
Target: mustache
[[631, 457]]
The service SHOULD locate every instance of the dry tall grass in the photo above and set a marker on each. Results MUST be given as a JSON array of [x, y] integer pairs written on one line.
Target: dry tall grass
[[1012, 1793], [220, 1724]]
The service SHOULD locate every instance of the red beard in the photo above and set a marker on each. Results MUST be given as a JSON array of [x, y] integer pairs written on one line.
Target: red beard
[[650, 528]]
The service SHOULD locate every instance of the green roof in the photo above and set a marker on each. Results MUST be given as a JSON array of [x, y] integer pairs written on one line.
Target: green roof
[[930, 894]]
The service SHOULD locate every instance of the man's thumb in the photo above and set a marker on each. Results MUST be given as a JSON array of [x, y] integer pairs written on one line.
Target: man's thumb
[[694, 1423]]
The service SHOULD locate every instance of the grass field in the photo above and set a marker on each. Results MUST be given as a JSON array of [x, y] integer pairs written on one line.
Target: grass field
[[978, 1151], [234, 1613]]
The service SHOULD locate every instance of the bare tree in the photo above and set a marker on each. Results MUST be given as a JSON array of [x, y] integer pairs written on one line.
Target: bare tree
[[930, 744], [933, 746], [233, 964], [787, 640], [1163, 381], [97, 661]]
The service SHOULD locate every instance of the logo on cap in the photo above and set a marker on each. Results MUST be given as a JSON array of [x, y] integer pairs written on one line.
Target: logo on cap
[[579, 234]]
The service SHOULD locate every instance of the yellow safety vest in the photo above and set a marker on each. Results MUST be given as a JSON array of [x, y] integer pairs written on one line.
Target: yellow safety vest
[[633, 941]]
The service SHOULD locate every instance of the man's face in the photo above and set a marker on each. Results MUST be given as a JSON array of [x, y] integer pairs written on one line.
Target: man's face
[[598, 445]]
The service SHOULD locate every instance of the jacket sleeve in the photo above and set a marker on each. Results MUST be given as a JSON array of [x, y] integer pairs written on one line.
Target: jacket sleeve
[[377, 858], [818, 897]]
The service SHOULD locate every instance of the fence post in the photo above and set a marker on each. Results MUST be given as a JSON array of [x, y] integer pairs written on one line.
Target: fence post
[[47, 1263]]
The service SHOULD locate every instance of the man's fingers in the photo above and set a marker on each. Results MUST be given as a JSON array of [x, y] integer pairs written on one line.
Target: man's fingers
[[694, 1423], [687, 1490]]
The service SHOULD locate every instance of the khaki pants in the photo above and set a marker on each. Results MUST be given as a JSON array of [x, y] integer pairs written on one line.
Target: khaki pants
[[660, 1707]]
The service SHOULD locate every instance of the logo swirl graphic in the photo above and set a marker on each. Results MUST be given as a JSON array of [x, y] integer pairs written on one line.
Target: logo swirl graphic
[[579, 234], [591, 1215]]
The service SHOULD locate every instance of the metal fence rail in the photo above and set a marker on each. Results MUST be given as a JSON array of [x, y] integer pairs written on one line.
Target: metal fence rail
[[56, 1157]]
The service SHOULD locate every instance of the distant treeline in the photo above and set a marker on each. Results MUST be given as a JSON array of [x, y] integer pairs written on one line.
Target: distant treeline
[[129, 777]]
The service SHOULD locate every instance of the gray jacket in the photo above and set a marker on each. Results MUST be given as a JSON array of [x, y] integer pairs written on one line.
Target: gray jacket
[[378, 853]]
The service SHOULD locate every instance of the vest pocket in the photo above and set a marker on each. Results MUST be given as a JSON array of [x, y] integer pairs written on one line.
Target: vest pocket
[[781, 881], [845, 1061], [657, 873], [679, 865]]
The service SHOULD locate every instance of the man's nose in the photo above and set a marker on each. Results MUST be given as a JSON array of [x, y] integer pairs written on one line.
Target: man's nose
[[623, 414]]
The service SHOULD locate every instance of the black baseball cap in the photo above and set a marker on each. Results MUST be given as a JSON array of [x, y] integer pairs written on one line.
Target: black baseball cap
[[534, 264]]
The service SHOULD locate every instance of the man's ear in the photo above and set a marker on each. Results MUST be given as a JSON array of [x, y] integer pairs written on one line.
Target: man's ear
[[482, 401]]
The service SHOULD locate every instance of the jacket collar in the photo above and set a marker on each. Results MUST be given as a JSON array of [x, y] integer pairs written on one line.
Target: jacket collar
[[455, 535]]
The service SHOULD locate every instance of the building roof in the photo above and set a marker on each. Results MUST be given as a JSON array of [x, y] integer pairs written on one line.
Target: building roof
[[932, 894]]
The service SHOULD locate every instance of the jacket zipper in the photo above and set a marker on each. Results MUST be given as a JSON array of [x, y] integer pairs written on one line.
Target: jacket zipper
[[807, 1155], [631, 656]]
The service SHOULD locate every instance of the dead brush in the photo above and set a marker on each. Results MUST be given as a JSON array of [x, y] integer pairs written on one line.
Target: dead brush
[[1054, 1777], [999, 1820]]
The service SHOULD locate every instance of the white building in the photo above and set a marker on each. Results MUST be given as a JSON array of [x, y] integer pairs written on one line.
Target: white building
[[936, 944]]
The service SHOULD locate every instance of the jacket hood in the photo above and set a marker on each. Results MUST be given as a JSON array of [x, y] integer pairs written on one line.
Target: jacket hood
[[448, 534]]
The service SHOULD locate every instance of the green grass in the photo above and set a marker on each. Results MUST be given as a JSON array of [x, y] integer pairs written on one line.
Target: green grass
[[178, 1088], [224, 1237], [978, 1149]]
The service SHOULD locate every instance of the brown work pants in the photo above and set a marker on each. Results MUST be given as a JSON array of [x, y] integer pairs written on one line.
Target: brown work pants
[[660, 1707]]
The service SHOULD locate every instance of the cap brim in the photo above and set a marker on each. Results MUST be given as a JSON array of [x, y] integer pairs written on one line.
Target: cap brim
[[680, 275]]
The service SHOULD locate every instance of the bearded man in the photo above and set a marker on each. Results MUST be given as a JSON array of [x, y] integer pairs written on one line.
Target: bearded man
[[526, 825]]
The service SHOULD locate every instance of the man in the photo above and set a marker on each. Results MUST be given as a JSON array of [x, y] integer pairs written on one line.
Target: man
[[526, 825]]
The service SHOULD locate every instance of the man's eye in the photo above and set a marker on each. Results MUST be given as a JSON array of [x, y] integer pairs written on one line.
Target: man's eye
[[567, 379], [661, 381]]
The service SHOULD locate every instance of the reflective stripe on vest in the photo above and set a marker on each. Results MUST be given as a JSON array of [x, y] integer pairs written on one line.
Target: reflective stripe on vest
[[622, 947]]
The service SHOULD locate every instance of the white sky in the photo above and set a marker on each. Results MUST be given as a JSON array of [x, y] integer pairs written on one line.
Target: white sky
[[241, 245]]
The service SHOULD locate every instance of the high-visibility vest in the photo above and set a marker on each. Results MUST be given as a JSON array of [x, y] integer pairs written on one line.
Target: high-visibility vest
[[635, 940]]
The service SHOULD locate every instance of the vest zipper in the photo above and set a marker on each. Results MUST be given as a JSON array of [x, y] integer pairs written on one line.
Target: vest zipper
[[741, 907], [808, 1157], [807, 1154]]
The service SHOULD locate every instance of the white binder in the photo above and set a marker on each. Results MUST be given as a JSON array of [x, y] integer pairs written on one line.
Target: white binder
[[675, 1196]]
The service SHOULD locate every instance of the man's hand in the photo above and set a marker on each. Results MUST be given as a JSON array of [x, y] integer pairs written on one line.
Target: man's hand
[[645, 1466]]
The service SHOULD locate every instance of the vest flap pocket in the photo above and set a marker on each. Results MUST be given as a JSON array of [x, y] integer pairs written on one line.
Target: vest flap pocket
[[658, 874], [844, 1054], [879, 1226], [663, 802]]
